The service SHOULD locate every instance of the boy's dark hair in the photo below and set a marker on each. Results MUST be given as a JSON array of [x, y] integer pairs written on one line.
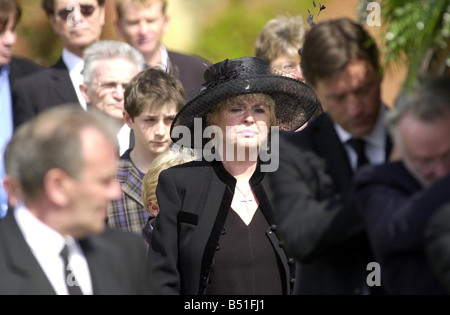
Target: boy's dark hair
[[152, 87]]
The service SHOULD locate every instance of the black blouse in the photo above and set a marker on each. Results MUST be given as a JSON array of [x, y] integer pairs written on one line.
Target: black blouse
[[245, 262]]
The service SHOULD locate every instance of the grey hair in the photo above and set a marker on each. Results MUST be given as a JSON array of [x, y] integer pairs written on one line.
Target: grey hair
[[428, 101], [109, 49], [52, 140]]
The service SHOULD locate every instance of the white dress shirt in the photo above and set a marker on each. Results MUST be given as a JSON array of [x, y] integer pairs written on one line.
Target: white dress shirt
[[46, 245], [123, 136]]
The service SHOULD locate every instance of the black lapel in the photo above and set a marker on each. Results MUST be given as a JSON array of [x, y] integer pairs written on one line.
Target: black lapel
[[100, 258], [60, 78], [21, 260], [329, 146]]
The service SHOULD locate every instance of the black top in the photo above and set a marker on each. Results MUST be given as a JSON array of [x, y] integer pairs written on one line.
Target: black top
[[245, 262]]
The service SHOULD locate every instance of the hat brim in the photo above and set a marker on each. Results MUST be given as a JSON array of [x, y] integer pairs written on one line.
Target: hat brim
[[295, 101]]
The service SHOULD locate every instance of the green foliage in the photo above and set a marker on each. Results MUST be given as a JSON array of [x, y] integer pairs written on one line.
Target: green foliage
[[417, 32], [232, 32]]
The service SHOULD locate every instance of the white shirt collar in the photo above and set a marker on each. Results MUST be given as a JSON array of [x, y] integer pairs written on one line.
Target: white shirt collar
[[72, 61], [47, 248], [49, 240], [164, 58]]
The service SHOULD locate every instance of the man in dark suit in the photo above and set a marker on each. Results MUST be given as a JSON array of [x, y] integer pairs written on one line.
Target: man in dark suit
[[312, 186], [397, 199], [143, 24], [437, 244], [78, 24], [54, 241], [11, 68]]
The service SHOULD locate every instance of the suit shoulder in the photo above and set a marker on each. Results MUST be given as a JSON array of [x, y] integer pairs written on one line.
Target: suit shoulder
[[178, 58], [24, 64], [191, 167], [121, 238], [393, 174], [37, 77]]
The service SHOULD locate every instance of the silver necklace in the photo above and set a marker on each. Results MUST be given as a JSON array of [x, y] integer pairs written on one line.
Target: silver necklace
[[246, 199]]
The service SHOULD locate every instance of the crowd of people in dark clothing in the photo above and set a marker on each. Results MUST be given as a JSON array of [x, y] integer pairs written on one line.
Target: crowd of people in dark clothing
[[131, 169]]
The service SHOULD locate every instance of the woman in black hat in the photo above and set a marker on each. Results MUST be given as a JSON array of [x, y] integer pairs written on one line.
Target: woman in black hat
[[215, 232]]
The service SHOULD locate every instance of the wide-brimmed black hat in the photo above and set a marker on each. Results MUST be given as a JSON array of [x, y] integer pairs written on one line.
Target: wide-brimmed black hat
[[295, 102]]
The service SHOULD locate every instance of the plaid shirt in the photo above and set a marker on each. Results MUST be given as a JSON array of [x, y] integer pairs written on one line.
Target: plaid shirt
[[128, 213]]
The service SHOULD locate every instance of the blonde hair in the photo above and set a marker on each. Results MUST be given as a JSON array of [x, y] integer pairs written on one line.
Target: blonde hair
[[160, 163]]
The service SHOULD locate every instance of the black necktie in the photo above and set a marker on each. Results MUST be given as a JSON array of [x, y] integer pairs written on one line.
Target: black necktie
[[358, 145], [71, 283]]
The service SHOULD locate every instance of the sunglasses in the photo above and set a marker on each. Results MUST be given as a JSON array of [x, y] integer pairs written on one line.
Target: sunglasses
[[85, 9]]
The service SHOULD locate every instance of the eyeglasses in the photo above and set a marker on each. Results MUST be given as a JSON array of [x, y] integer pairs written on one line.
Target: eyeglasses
[[110, 86], [85, 9]]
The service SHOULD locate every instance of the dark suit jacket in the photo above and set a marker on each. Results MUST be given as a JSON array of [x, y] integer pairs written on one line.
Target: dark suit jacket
[[195, 199], [437, 244], [189, 70], [43, 89], [396, 209], [316, 213], [21, 67], [116, 261]]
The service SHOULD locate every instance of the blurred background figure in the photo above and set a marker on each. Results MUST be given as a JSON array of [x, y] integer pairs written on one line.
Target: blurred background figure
[[11, 68], [150, 182], [278, 44], [396, 199], [55, 240], [78, 23], [143, 23], [152, 100], [108, 68]]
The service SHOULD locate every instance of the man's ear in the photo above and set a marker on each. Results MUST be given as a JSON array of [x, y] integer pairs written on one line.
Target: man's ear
[[56, 28], [84, 92], [13, 189], [166, 27], [57, 185], [102, 15], [128, 120], [153, 207]]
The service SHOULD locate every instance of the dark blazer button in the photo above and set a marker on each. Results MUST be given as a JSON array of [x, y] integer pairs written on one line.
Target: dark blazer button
[[292, 280], [218, 246], [291, 261], [273, 227], [224, 231], [281, 244]]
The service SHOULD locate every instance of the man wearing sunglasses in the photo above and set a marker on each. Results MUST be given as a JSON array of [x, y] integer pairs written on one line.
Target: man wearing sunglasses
[[78, 23], [143, 24]]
